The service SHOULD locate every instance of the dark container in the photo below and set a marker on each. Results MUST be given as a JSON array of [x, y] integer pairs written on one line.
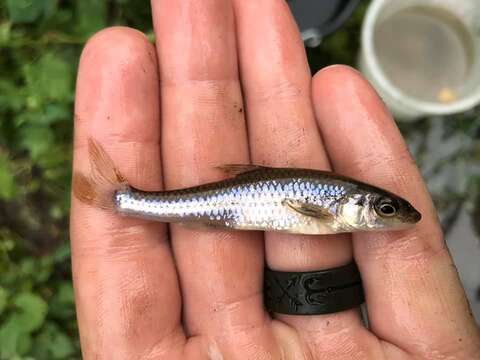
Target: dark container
[[317, 18]]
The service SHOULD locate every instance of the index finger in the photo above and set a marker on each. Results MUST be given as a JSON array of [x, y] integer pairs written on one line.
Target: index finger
[[409, 277], [126, 289]]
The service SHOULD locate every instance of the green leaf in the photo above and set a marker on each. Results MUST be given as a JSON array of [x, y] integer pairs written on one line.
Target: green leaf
[[5, 32], [61, 346], [12, 97], [3, 299], [50, 8], [62, 304], [37, 140], [13, 340], [65, 293], [27, 117], [31, 311], [52, 343], [8, 188], [27, 267], [62, 253], [91, 16], [10, 332], [57, 163], [50, 78], [43, 270], [24, 343], [56, 112], [26, 11]]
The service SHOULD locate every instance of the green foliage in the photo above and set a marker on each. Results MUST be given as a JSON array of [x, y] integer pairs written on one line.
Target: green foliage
[[452, 170], [7, 179], [92, 16], [36, 303], [27, 11], [40, 43]]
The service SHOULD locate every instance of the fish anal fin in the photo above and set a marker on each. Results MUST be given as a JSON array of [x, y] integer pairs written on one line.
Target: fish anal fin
[[306, 209], [200, 225], [238, 169]]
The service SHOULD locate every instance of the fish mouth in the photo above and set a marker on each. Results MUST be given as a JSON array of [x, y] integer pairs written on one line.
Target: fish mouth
[[414, 217]]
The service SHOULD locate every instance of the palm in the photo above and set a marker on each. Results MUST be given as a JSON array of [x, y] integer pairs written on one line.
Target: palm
[[197, 294]]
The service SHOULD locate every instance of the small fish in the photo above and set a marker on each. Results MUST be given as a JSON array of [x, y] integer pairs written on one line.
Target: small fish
[[301, 201]]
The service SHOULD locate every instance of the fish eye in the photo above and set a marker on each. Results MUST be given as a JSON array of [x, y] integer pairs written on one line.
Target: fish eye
[[386, 207]]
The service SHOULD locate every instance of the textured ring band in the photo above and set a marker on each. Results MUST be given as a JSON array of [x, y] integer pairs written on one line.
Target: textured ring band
[[313, 292]]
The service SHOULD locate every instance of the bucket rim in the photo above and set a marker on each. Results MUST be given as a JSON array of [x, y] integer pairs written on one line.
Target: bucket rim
[[379, 76]]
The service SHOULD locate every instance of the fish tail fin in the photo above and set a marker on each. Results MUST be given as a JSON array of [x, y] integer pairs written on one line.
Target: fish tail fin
[[87, 191], [102, 165], [98, 188]]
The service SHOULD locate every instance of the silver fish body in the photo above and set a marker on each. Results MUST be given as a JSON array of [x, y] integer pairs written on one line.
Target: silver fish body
[[274, 199]]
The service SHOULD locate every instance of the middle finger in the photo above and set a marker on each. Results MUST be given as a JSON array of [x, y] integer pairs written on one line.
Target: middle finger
[[283, 132], [203, 126]]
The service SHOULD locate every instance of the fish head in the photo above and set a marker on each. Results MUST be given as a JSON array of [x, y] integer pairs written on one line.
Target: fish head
[[377, 211]]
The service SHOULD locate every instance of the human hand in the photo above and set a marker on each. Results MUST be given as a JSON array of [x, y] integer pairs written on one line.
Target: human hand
[[170, 118]]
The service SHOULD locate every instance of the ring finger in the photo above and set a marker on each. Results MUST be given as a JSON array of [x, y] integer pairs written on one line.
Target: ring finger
[[276, 82]]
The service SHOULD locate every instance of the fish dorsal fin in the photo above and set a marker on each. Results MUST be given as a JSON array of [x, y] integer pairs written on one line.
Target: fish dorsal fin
[[238, 169], [308, 209]]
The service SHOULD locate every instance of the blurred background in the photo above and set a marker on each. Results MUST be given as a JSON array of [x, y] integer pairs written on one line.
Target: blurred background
[[40, 44]]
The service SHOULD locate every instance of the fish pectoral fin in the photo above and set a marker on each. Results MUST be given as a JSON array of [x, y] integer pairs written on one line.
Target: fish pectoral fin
[[238, 169], [308, 209]]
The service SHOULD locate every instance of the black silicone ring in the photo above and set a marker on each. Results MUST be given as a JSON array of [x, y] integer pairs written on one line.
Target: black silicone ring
[[313, 292]]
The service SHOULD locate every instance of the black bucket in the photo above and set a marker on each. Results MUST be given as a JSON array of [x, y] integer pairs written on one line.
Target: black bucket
[[318, 18]]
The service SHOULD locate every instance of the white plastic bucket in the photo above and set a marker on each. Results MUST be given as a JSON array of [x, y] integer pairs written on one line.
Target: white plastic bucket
[[402, 104]]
